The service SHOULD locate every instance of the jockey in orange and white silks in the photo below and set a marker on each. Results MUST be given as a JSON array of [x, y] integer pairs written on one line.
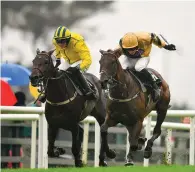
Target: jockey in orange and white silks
[[137, 47]]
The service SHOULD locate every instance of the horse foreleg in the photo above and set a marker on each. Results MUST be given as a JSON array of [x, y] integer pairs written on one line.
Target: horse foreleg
[[104, 144], [134, 133], [105, 149], [156, 132], [77, 135], [104, 141], [108, 123], [52, 133]]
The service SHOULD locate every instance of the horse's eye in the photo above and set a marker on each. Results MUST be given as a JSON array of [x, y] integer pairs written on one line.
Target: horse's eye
[[46, 62]]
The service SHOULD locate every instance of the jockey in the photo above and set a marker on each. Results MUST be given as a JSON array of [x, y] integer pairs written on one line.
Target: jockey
[[72, 48], [137, 47]]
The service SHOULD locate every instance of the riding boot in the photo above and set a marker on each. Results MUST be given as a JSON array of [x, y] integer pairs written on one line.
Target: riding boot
[[155, 88], [82, 83]]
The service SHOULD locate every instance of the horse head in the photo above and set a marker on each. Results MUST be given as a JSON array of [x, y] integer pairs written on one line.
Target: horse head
[[109, 64], [43, 67]]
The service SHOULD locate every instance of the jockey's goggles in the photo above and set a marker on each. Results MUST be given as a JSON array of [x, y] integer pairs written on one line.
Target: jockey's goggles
[[61, 41], [131, 49]]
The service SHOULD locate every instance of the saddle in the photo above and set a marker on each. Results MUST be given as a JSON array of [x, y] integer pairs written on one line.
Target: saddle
[[78, 89]]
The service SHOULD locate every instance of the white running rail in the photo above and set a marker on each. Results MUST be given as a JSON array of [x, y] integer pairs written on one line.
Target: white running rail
[[37, 113], [33, 114], [148, 124]]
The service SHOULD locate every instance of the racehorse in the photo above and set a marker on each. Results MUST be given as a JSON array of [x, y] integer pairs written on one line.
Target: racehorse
[[65, 106], [129, 102]]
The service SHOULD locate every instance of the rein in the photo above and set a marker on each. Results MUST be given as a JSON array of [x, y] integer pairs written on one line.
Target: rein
[[69, 98]]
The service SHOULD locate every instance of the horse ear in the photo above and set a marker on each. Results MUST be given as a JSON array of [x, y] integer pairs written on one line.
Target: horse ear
[[102, 52], [38, 51], [50, 52]]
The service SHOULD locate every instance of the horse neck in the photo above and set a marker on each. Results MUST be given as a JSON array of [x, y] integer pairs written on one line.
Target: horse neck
[[59, 89], [126, 86]]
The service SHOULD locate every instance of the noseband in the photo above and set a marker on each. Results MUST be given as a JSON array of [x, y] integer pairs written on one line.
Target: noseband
[[41, 78], [111, 79]]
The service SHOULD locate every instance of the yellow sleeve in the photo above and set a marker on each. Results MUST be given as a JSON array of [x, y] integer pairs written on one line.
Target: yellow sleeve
[[157, 41], [57, 53], [84, 54]]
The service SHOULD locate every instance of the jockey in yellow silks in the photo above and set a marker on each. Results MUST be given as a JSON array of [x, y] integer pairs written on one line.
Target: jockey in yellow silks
[[70, 48], [137, 47]]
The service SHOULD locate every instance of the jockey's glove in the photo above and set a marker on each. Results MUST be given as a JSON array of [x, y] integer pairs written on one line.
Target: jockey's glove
[[58, 62], [170, 47]]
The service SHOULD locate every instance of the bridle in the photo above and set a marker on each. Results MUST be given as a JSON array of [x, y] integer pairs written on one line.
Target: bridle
[[41, 78], [112, 82]]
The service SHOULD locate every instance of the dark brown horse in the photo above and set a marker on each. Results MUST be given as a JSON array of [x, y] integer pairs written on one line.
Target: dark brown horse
[[129, 105], [65, 107]]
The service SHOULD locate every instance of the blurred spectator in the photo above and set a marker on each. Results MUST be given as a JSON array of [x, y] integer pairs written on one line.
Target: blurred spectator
[[37, 104], [19, 132], [21, 98]]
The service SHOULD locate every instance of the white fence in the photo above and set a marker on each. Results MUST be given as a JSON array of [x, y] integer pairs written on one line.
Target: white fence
[[33, 114], [37, 114]]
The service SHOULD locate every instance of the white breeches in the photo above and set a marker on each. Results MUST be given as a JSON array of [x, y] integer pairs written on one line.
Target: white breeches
[[64, 64], [138, 64]]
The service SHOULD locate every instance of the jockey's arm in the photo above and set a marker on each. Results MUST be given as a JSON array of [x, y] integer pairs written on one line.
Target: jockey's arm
[[84, 54], [160, 43], [157, 41]]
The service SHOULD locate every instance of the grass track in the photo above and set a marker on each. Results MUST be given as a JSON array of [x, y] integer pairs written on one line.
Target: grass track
[[112, 169]]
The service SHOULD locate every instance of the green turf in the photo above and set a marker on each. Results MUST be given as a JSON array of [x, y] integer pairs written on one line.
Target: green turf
[[112, 169]]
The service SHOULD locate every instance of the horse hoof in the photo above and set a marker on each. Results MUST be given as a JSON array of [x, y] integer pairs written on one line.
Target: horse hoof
[[148, 153], [103, 164], [140, 146], [111, 154], [53, 154], [129, 163], [61, 150], [78, 163], [56, 153]]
